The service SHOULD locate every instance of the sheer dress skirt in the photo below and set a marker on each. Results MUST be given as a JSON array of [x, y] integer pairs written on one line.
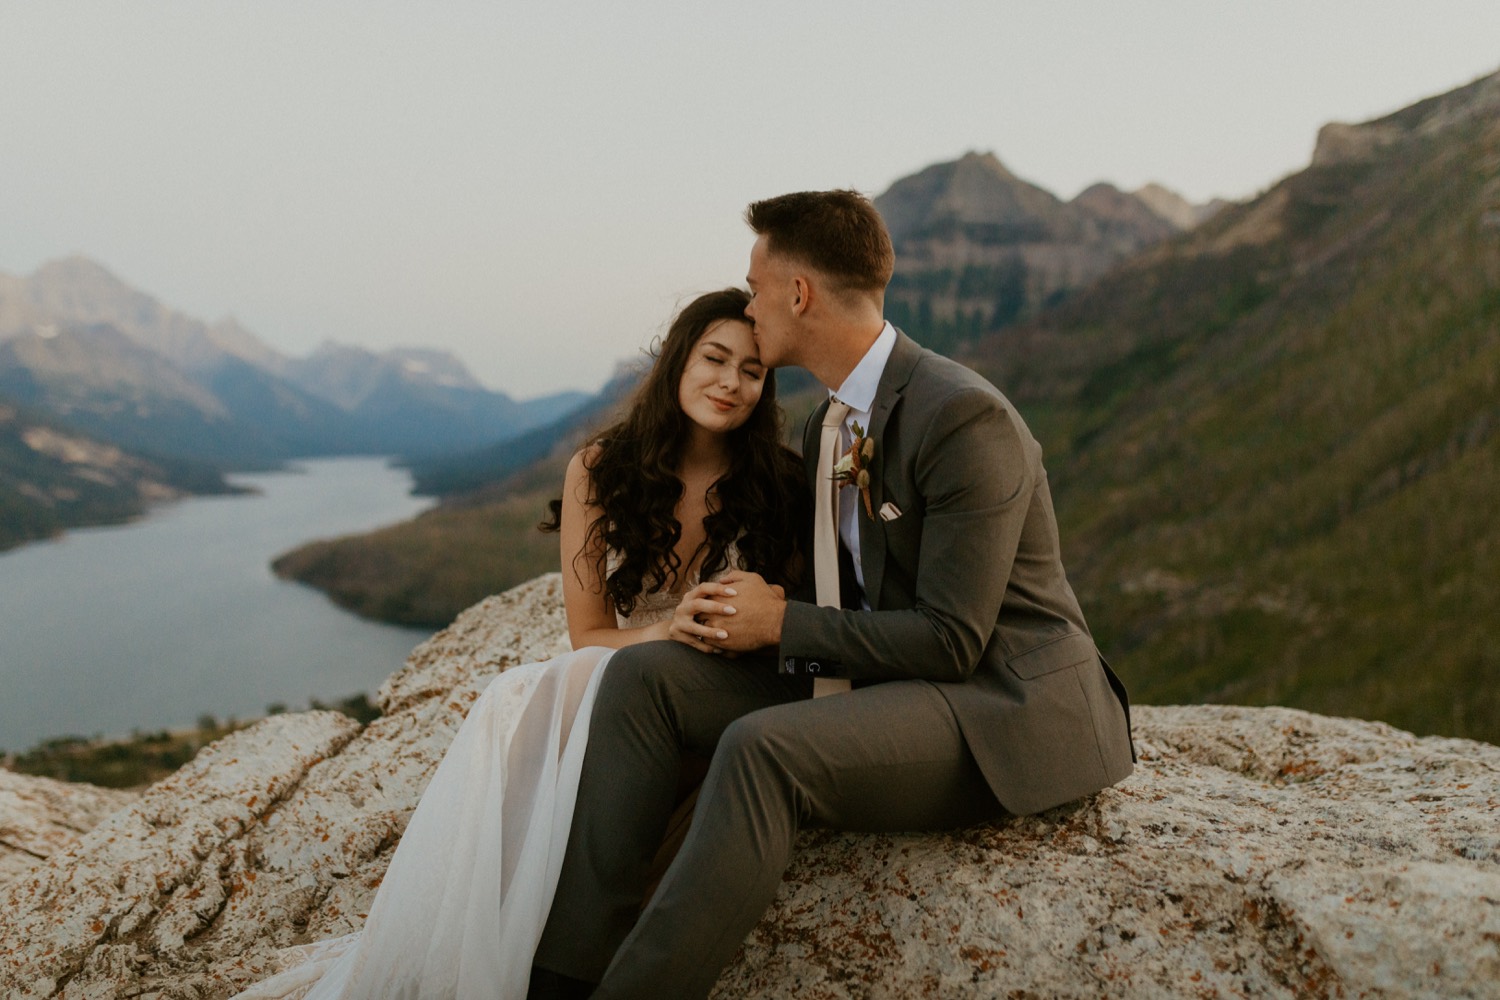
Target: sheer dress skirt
[[462, 905]]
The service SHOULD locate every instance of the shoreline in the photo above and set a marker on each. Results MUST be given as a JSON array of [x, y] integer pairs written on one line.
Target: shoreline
[[137, 760]]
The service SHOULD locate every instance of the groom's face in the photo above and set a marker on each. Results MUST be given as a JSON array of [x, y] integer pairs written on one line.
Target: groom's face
[[771, 310]]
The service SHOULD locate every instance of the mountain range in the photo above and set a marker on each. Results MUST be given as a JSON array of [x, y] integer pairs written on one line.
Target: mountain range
[[83, 347], [1273, 438]]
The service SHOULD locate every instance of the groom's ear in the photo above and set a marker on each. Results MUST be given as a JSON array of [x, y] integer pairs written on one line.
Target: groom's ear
[[801, 294]]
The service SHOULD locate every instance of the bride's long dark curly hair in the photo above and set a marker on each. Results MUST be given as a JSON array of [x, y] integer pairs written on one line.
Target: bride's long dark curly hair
[[761, 503]]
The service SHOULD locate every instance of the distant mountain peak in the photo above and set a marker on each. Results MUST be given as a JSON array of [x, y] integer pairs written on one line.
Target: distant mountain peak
[[988, 162], [79, 290], [435, 365], [85, 290], [76, 266], [350, 376], [1174, 207], [976, 190], [978, 247]]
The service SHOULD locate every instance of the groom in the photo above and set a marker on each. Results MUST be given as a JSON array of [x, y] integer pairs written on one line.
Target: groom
[[977, 691]]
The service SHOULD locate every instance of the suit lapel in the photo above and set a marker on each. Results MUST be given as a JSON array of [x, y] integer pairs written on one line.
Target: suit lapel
[[898, 369]]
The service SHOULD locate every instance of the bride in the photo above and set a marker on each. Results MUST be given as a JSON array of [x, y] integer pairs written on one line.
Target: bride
[[692, 483]]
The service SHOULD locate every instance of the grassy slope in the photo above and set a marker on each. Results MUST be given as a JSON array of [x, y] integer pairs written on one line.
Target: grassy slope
[[1276, 466]]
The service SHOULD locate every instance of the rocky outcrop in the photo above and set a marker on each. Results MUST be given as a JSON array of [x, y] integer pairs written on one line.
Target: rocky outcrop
[[1255, 852], [1340, 143]]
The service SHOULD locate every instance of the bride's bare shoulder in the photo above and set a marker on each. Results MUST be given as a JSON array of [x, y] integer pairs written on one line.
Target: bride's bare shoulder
[[585, 458], [579, 466]]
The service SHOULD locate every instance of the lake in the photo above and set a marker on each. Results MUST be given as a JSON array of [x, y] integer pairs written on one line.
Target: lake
[[152, 624]]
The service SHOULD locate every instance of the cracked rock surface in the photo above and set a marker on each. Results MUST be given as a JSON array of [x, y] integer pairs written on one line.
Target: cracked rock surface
[[39, 817], [1255, 852]]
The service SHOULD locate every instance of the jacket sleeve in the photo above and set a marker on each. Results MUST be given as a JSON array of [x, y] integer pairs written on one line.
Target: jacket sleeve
[[975, 475]]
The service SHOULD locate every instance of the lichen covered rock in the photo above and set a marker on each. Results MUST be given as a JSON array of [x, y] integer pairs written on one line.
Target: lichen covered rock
[[40, 816], [1255, 852]]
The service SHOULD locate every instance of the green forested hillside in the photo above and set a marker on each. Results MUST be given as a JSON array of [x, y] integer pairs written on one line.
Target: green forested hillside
[[424, 571], [53, 478], [1275, 443]]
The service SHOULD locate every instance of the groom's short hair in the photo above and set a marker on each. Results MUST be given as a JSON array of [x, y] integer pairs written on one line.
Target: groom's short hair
[[838, 232]]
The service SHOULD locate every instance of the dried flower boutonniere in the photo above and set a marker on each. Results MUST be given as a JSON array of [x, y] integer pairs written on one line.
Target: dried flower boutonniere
[[854, 468]]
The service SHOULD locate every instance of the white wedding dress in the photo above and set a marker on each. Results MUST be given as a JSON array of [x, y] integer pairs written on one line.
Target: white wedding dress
[[461, 908]]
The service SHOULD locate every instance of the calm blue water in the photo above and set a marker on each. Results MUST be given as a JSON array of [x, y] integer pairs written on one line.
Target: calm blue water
[[150, 625]]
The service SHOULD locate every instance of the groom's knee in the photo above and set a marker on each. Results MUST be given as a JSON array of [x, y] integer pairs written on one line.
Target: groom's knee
[[759, 742], [648, 675], [759, 765]]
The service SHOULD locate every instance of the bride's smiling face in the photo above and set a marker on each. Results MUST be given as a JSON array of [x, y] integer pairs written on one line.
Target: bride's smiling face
[[723, 378]]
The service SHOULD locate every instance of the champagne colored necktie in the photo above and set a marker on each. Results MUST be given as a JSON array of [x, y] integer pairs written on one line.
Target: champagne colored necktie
[[825, 528]]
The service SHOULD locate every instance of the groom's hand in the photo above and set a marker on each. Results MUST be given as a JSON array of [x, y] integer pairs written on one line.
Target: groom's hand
[[756, 619]]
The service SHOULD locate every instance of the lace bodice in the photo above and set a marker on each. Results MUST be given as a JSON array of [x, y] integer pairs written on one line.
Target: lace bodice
[[656, 607], [650, 609]]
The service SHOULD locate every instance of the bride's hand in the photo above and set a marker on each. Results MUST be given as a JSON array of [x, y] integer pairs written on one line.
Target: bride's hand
[[760, 608], [687, 626]]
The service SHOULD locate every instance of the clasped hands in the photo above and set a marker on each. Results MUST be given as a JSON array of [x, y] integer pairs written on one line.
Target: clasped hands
[[734, 614]]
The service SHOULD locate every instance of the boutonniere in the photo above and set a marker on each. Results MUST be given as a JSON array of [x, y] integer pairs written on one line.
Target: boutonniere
[[854, 468]]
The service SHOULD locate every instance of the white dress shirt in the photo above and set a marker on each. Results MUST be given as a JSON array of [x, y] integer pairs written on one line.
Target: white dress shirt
[[858, 392]]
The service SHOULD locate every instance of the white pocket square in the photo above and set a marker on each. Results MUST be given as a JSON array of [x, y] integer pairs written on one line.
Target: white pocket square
[[889, 511]]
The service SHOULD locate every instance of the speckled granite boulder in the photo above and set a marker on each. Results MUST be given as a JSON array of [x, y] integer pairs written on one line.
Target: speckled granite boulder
[[1255, 852]]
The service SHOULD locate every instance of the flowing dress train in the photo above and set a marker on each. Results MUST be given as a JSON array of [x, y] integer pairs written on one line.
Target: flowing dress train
[[461, 908]]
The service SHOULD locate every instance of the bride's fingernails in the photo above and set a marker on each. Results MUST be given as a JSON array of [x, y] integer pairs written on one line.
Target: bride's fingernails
[[722, 635], [728, 610], [730, 592]]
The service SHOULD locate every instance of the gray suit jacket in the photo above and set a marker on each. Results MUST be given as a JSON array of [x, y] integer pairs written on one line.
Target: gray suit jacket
[[967, 588]]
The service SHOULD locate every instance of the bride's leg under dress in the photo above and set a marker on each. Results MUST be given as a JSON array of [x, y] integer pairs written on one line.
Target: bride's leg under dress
[[462, 906]]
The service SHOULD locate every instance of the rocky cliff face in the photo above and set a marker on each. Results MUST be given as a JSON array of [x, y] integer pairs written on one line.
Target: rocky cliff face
[[1340, 143], [1255, 852], [978, 247]]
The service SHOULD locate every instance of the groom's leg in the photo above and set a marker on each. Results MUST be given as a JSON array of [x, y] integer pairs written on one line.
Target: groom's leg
[[655, 701], [886, 757]]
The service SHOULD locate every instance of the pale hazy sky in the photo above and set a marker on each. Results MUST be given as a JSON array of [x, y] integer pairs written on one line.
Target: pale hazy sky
[[534, 187]]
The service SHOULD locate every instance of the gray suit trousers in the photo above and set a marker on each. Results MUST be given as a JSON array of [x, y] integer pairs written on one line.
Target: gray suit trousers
[[886, 757]]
